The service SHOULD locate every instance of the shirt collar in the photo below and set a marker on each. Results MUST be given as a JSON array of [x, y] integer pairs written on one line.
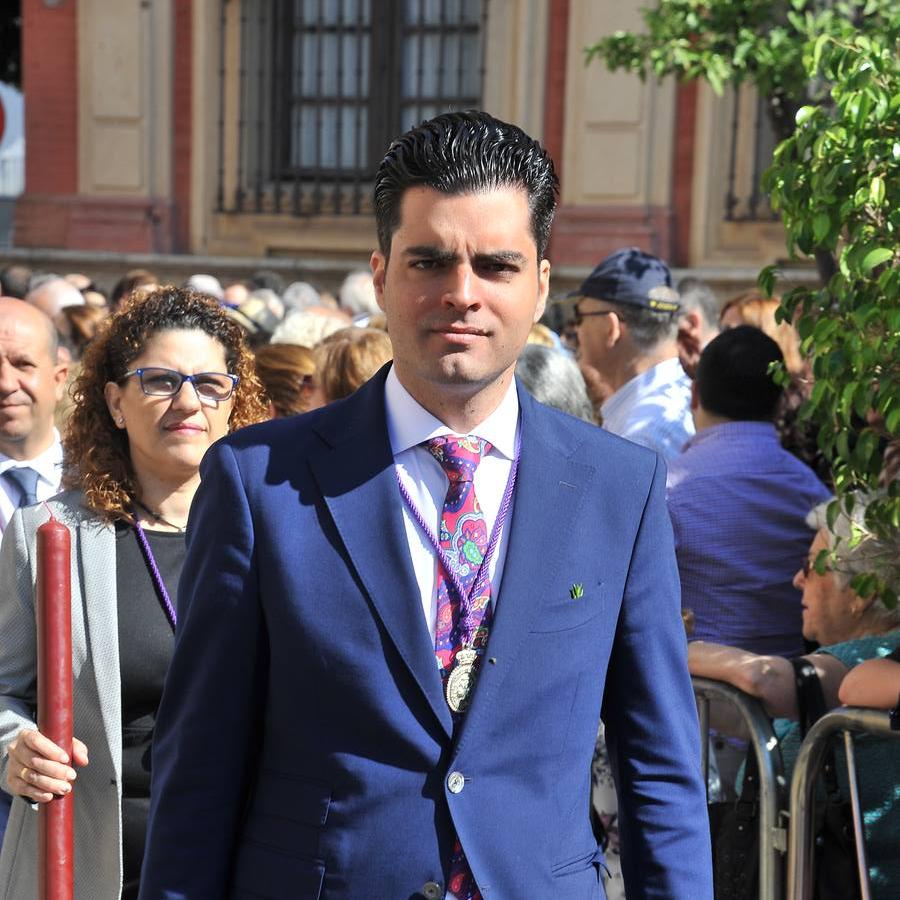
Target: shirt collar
[[729, 431], [663, 374], [46, 464], [409, 423]]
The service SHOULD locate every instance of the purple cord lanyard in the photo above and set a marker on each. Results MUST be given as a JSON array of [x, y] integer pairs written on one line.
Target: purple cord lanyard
[[153, 569], [468, 623]]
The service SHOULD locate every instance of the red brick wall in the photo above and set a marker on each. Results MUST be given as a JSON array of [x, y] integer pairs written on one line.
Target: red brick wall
[[181, 124], [555, 96], [683, 171], [50, 85], [583, 235], [51, 213]]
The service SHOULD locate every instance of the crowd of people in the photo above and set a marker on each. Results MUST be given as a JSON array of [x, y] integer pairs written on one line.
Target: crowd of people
[[109, 402]]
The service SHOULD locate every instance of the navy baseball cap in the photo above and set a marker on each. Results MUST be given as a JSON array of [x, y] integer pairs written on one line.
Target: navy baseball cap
[[632, 278]]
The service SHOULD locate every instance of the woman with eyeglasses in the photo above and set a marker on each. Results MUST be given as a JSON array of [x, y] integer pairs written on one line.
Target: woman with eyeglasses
[[166, 377], [849, 629]]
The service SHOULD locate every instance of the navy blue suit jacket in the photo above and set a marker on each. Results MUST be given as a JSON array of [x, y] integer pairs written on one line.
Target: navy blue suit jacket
[[303, 747]]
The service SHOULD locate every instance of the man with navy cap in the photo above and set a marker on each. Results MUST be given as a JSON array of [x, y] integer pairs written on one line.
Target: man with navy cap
[[627, 314]]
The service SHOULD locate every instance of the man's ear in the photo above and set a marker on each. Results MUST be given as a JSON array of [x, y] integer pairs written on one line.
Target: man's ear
[[61, 372], [691, 325], [695, 396], [378, 264], [543, 288], [617, 330]]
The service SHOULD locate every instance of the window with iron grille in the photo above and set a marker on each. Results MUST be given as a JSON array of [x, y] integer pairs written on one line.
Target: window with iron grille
[[751, 145], [325, 85]]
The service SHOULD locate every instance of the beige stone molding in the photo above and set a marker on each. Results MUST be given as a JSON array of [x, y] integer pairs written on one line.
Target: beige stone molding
[[125, 108], [619, 131]]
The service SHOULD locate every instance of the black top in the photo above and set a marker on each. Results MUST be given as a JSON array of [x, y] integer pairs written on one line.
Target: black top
[[145, 648]]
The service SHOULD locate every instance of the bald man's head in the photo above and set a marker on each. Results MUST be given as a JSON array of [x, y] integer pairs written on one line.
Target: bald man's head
[[13, 308], [31, 379]]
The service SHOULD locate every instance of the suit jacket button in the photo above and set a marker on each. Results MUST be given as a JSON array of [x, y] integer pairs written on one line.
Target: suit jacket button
[[431, 890], [456, 782]]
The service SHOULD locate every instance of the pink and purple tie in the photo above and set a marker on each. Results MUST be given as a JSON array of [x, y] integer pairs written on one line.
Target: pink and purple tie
[[464, 539]]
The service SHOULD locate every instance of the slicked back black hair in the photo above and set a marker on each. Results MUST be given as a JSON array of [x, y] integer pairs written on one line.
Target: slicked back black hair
[[733, 377], [465, 153]]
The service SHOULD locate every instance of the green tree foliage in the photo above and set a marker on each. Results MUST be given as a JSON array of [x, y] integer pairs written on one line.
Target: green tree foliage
[[832, 75]]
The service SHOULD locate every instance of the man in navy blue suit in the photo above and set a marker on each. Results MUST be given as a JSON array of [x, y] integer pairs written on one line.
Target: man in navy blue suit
[[402, 615]]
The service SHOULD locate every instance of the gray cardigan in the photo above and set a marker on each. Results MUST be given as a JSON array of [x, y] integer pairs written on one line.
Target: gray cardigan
[[96, 697]]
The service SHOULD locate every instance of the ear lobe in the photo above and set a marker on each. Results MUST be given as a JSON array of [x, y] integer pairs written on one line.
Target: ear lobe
[[60, 376], [112, 393], [543, 288]]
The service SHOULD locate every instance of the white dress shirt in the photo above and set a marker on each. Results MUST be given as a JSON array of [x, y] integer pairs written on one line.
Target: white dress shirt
[[48, 465], [409, 424], [653, 409]]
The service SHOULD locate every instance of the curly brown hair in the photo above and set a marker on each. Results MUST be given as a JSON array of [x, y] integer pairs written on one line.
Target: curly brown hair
[[96, 453]]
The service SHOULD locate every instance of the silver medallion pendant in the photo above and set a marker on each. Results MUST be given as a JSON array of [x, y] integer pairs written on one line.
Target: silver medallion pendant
[[462, 680]]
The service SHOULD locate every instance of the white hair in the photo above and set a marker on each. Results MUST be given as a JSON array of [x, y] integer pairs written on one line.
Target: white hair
[[357, 294], [53, 295], [301, 295], [206, 284], [856, 549], [553, 378], [306, 329]]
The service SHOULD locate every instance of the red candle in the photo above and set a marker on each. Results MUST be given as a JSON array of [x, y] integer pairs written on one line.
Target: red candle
[[54, 685]]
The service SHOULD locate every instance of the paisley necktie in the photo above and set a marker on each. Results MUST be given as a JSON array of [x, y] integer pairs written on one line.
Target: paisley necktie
[[464, 539]]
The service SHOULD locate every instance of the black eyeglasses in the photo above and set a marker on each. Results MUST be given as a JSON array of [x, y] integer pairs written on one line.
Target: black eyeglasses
[[211, 387], [581, 316]]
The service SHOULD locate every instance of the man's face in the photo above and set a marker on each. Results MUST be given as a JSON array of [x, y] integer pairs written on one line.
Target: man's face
[[593, 321], [31, 382], [461, 290]]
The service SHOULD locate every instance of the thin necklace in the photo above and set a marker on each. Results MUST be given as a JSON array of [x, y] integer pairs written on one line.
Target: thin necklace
[[157, 517]]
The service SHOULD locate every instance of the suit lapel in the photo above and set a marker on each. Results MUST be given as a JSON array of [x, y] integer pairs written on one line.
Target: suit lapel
[[356, 476], [549, 491]]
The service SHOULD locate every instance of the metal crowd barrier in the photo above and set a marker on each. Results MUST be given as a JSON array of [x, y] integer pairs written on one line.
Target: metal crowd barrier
[[800, 852], [772, 835]]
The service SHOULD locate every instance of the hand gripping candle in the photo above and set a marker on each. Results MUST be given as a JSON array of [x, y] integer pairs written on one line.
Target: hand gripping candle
[[54, 686]]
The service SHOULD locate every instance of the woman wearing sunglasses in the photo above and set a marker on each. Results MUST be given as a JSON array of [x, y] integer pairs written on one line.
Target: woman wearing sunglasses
[[850, 629], [168, 376]]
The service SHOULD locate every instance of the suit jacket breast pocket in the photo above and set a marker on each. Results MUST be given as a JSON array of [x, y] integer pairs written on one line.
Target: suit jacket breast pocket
[[576, 609]]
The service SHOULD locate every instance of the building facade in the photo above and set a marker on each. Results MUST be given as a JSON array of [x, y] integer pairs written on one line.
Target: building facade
[[251, 128]]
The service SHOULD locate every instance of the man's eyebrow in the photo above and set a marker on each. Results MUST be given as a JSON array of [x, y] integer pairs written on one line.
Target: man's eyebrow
[[509, 256], [428, 251]]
